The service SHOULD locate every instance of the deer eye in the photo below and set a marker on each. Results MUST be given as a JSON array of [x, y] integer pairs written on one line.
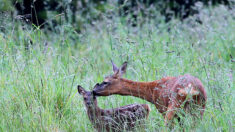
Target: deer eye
[[105, 83]]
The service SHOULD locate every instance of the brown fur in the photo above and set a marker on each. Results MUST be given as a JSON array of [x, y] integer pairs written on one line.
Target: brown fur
[[168, 94], [116, 120]]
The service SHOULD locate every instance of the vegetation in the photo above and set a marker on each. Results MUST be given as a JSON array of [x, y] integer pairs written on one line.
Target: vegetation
[[80, 12], [40, 69]]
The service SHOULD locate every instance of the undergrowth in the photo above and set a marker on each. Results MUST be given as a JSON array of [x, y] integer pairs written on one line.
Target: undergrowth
[[40, 69]]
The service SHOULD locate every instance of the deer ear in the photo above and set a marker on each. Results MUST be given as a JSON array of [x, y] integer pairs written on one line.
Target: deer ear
[[81, 90], [115, 68], [116, 74], [123, 68]]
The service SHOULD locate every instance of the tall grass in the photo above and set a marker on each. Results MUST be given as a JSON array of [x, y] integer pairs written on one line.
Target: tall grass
[[39, 70]]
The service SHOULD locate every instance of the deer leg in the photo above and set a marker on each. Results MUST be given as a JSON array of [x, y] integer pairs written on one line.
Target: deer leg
[[172, 108], [201, 102], [180, 121], [170, 113]]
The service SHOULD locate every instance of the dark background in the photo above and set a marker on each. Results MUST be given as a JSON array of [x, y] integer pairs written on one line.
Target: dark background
[[77, 12]]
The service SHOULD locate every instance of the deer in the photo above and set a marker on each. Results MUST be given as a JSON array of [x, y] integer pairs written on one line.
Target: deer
[[125, 118], [169, 94]]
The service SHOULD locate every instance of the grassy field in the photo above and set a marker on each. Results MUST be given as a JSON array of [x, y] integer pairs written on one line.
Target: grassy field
[[39, 70]]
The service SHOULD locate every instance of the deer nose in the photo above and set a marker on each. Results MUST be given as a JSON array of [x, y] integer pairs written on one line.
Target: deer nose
[[97, 84], [96, 89]]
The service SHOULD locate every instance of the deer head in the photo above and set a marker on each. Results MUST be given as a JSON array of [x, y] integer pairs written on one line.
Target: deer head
[[111, 84], [89, 98]]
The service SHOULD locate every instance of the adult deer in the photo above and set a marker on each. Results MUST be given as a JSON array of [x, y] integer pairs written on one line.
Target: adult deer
[[167, 94], [115, 120]]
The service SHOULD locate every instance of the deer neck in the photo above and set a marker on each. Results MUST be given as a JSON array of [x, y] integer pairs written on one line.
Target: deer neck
[[93, 112], [142, 90]]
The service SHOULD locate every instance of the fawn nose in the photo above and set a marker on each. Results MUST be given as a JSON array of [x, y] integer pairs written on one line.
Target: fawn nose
[[88, 103]]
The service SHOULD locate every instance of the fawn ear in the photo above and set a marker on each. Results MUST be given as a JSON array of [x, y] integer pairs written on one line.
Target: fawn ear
[[81, 90], [123, 68], [115, 68]]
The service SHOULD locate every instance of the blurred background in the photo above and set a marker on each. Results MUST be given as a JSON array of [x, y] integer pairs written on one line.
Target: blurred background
[[48, 13]]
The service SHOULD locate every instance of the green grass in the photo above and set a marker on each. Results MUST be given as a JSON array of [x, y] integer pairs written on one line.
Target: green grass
[[39, 70]]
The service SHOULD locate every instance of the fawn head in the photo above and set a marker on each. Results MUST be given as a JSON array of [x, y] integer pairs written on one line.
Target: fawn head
[[111, 84], [88, 96]]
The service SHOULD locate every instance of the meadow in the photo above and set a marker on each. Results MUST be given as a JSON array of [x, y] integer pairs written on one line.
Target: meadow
[[40, 69]]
